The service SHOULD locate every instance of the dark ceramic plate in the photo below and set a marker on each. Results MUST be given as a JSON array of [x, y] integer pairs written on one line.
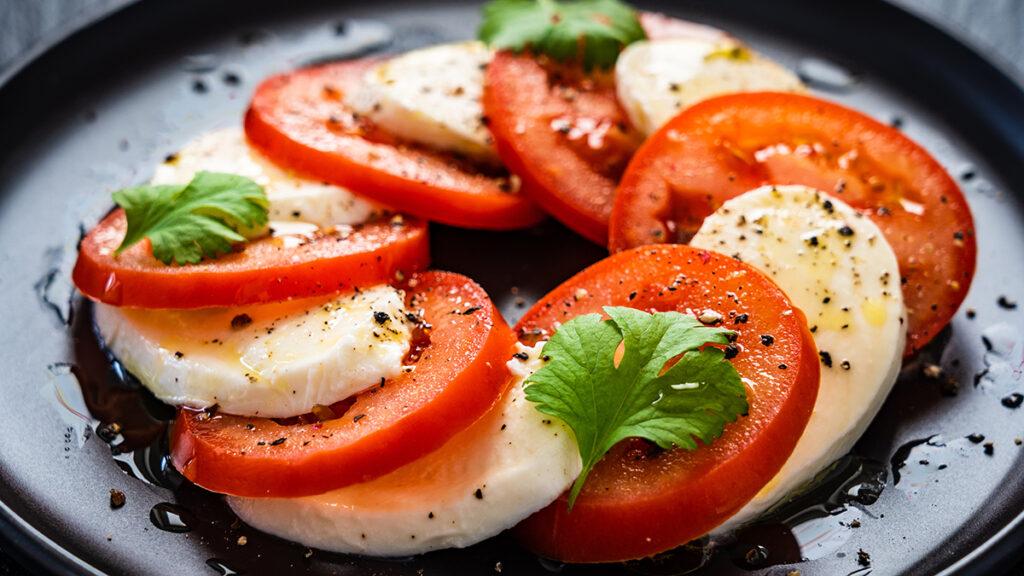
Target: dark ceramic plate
[[98, 111]]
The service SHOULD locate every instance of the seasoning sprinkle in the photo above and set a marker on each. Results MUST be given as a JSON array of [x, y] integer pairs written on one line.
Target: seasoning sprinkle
[[1013, 401], [863, 558], [240, 321], [117, 499]]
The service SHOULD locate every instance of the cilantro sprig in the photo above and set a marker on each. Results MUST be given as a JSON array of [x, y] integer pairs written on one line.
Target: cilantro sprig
[[188, 222], [605, 400], [594, 31]]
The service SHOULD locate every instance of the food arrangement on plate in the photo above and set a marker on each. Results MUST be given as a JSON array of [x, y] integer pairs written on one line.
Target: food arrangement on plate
[[774, 259]]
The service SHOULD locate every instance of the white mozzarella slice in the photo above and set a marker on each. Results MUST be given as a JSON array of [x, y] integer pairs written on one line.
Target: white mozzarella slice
[[432, 96], [657, 79], [273, 360], [292, 198], [507, 465], [838, 268]]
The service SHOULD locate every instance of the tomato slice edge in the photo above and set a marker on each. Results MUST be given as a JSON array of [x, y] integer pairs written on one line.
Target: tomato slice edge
[[469, 345], [136, 278], [317, 135], [933, 292], [608, 529]]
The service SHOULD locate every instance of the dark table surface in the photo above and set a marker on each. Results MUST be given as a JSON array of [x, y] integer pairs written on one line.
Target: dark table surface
[[992, 27]]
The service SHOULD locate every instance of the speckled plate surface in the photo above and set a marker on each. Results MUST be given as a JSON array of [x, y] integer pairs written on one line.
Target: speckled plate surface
[[100, 110]]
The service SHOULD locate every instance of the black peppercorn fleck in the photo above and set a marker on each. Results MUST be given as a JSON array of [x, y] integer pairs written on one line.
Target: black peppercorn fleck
[[240, 321]]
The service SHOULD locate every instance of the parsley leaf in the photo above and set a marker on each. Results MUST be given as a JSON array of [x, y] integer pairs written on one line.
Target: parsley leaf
[[600, 29], [605, 404], [188, 222]]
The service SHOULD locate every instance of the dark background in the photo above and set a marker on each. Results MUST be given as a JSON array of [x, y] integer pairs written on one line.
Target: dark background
[[27, 27]]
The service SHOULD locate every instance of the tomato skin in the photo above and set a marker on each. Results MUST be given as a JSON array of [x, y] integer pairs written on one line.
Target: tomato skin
[[639, 501], [299, 120], [457, 378], [263, 271], [567, 138], [728, 145]]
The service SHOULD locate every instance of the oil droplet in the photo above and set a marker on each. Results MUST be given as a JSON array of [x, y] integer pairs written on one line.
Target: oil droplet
[[53, 290], [685, 559], [151, 464], [825, 75], [171, 518], [221, 568], [816, 522], [756, 556], [922, 462], [112, 290], [552, 566], [66, 397], [873, 311], [201, 63], [1004, 359]]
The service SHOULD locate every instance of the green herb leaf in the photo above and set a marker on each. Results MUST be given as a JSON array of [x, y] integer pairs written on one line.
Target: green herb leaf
[[593, 30], [604, 404], [201, 219]]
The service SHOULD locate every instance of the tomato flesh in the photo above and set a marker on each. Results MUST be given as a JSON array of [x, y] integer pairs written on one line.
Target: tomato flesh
[[456, 377], [640, 500], [728, 145], [300, 120], [563, 133], [266, 270]]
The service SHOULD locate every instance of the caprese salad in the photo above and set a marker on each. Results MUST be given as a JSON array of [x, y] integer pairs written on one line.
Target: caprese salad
[[774, 259]]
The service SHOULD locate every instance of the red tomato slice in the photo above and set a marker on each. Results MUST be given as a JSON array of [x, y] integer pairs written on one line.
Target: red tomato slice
[[299, 120], [728, 145], [266, 270], [459, 373], [563, 133], [639, 500]]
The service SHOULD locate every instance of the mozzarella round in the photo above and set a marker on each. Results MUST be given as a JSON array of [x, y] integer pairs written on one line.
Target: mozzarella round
[[272, 360], [292, 197], [837, 267], [507, 465], [657, 79], [432, 96]]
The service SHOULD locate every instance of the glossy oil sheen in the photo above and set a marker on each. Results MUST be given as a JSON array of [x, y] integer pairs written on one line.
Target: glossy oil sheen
[[88, 120]]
